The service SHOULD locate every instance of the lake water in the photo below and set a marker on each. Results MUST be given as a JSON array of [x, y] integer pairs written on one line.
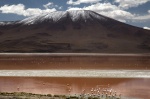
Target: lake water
[[102, 62], [130, 87]]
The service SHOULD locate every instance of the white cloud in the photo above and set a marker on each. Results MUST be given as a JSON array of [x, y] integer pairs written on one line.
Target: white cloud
[[120, 15], [126, 4], [48, 5], [147, 28], [60, 7], [51, 5], [37, 11], [74, 8], [78, 2], [143, 17], [108, 10], [102, 7], [19, 9], [32, 11]]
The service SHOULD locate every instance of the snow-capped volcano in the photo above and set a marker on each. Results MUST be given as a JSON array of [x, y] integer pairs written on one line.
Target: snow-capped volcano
[[74, 15], [71, 32]]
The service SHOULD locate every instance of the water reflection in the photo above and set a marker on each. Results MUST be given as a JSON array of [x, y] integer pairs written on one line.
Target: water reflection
[[75, 62], [127, 88]]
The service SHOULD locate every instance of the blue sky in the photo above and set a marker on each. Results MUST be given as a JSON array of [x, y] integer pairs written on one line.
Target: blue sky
[[134, 12]]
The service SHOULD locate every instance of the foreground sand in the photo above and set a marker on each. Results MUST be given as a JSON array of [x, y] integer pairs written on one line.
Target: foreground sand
[[136, 88]]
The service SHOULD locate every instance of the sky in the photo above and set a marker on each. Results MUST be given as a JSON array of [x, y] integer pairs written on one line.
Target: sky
[[133, 12]]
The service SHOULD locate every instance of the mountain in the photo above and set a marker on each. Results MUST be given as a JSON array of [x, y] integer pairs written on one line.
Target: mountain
[[72, 32]]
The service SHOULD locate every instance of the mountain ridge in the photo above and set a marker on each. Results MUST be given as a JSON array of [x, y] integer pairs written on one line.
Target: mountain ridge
[[18, 22], [58, 15], [73, 31]]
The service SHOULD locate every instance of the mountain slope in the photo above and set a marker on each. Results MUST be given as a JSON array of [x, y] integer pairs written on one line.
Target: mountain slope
[[72, 31]]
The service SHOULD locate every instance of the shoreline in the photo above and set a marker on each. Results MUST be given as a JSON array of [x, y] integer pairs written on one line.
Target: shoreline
[[25, 95], [75, 54], [77, 73], [59, 86]]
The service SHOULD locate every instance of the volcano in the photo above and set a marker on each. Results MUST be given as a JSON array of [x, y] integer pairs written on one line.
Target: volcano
[[76, 31]]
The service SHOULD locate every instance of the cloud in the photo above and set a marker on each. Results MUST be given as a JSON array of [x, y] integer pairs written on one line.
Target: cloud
[[19, 9], [37, 11], [60, 7], [74, 8], [51, 5], [143, 17], [108, 10], [78, 2], [48, 5], [126, 4], [120, 15], [102, 7], [147, 28]]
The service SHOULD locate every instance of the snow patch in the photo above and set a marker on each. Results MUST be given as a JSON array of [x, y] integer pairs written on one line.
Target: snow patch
[[2, 23], [5, 23], [58, 15], [147, 28]]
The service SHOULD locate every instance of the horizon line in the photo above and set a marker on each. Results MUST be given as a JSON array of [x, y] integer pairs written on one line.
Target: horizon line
[[76, 54]]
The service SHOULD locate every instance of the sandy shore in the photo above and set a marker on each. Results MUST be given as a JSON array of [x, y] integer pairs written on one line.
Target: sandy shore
[[137, 88]]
